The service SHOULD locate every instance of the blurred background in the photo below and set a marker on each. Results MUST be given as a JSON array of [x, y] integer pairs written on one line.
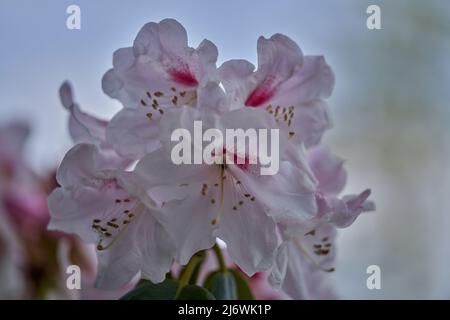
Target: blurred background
[[390, 108]]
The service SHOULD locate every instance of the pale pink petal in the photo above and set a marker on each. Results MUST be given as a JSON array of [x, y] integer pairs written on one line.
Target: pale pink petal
[[74, 210], [157, 169], [289, 86], [92, 204], [188, 221], [305, 123], [349, 208], [85, 128], [277, 59], [313, 80], [189, 224], [328, 169], [294, 283], [144, 247], [78, 166], [342, 212], [311, 258], [160, 66], [247, 224], [278, 271], [289, 194], [236, 77], [134, 132]]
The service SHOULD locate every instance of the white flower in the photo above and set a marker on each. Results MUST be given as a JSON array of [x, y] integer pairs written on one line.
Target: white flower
[[159, 72], [308, 251], [94, 204], [291, 87], [230, 201]]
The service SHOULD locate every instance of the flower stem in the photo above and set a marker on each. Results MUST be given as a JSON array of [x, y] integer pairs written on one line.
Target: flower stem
[[220, 259], [187, 273]]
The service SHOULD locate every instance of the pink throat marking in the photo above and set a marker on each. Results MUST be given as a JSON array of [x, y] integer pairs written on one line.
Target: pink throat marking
[[183, 76], [261, 94], [243, 166]]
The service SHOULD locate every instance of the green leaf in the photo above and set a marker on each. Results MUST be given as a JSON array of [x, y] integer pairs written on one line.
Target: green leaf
[[149, 291], [207, 282], [222, 285], [243, 289], [142, 282], [192, 292]]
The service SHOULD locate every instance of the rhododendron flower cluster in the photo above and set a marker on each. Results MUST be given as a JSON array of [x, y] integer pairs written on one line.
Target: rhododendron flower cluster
[[120, 189]]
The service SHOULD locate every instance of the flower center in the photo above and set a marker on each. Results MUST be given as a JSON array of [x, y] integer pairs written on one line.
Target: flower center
[[282, 115], [322, 248], [263, 93], [238, 196], [124, 212], [157, 101], [183, 76]]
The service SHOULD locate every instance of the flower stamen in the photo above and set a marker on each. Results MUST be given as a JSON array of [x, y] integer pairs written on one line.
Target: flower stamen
[[221, 193], [115, 226], [314, 262]]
